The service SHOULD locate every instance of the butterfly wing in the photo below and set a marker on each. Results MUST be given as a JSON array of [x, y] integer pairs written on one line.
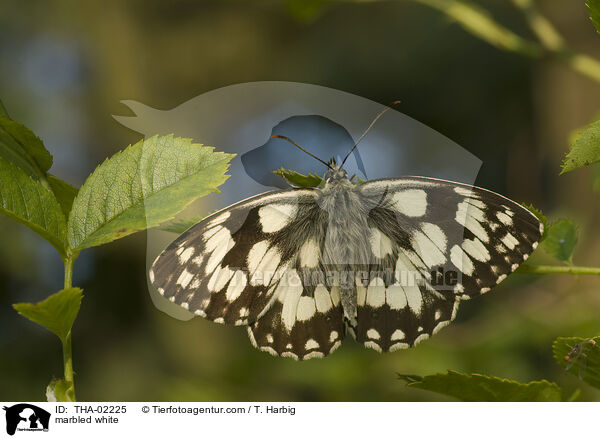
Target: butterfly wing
[[443, 242], [245, 265]]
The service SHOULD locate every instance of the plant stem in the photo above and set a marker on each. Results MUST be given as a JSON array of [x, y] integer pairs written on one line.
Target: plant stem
[[479, 23], [67, 349], [548, 269]]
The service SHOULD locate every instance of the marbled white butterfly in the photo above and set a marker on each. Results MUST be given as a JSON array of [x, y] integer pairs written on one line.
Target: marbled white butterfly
[[387, 260]]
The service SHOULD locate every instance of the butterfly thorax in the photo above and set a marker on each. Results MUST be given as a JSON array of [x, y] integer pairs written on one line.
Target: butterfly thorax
[[346, 243]]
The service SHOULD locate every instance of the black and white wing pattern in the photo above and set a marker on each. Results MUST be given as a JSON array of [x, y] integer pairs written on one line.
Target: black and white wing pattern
[[246, 265], [444, 242], [411, 248]]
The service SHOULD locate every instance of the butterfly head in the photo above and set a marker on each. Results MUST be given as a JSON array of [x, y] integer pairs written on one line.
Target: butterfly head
[[335, 172]]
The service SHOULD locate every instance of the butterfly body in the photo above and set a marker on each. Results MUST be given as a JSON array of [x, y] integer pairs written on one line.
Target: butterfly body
[[387, 261]]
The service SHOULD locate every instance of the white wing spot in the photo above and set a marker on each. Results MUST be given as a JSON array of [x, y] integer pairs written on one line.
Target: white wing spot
[[398, 335], [310, 254], [381, 245], [335, 295], [412, 203], [428, 250], [476, 249], [219, 278], [461, 260], [395, 297], [269, 338], [398, 346], [313, 355], [311, 344], [436, 234], [414, 299], [504, 218], [219, 219], [485, 290], [374, 345], [151, 275], [289, 293], [185, 278], [373, 334], [322, 299], [256, 254], [219, 244], [186, 255], [375, 293], [500, 278], [236, 286], [198, 260], [510, 241], [289, 354], [463, 191], [333, 336], [440, 326], [306, 309], [421, 338], [470, 217], [274, 217], [265, 270]]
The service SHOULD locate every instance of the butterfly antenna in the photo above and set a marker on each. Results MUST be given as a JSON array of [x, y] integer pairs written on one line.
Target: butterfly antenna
[[300, 147], [369, 128]]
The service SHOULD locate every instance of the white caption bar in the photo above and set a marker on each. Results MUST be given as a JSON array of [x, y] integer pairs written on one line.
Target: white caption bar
[[286, 420]]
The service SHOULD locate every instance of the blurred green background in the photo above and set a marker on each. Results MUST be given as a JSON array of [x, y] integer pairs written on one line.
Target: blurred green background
[[64, 67]]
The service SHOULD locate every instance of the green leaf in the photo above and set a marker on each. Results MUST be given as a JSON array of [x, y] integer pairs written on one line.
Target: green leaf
[[295, 178], [143, 186], [60, 390], [21, 147], [585, 148], [57, 313], [538, 213], [29, 202], [580, 357], [560, 240], [64, 192], [478, 387], [180, 225], [594, 10]]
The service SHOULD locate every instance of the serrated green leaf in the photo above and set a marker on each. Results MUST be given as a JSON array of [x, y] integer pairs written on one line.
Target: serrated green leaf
[[585, 148], [29, 202], [143, 186], [560, 240], [580, 357], [59, 390], [538, 213], [478, 387], [57, 313], [180, 225], [594, 10], [63, 192], [21, 147], [310, 180]]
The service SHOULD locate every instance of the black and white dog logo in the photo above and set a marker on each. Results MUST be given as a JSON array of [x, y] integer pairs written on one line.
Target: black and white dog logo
[[26, 417]]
